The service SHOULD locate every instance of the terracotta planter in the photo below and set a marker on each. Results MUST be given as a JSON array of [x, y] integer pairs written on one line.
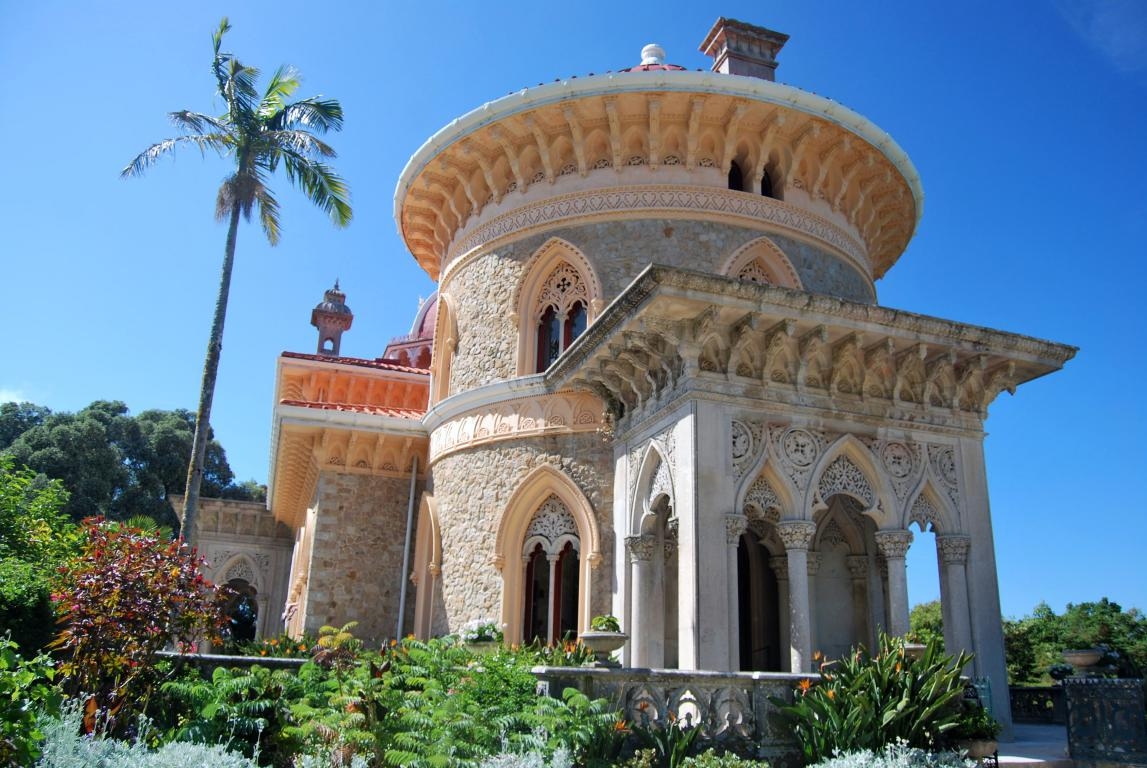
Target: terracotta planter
[[980, 748], [1083, 658], [603, 644], [914, 651]]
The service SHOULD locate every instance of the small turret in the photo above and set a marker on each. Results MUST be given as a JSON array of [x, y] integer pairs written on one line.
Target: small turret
[[738, 48], [331, 316]]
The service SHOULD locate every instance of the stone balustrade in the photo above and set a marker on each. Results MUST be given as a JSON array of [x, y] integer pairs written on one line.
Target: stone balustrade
[[733, 709]]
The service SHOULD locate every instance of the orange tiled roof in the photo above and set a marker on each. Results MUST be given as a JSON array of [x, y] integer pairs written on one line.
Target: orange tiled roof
[[380, 363]]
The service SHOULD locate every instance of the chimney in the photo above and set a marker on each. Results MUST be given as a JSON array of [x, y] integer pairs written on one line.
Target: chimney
[[738, 48]]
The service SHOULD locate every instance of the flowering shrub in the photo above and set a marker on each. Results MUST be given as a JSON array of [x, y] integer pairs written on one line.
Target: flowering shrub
[[866, 702], [281, 647], [897, 756], [128, 595], [481, 631]]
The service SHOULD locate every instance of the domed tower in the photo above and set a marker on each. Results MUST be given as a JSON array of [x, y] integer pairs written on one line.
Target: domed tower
[[661, 383], [331, 316]]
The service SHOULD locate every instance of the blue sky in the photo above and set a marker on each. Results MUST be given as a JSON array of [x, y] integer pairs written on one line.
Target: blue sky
[[1025, 121]]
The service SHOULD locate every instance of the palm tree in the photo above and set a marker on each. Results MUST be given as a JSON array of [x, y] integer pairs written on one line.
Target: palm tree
[[257, 134]]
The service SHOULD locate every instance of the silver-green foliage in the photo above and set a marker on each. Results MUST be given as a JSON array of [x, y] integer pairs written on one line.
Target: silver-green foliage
[[534, 759], [64, 747], [897, 756]]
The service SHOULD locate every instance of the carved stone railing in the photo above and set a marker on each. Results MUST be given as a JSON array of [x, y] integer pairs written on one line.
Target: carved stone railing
[[1038, 704], [1106, 720], [732, 709]]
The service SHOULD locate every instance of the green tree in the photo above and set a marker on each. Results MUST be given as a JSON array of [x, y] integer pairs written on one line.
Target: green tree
[[926, 621], [1034, 643], [257, 134], [18, 418]]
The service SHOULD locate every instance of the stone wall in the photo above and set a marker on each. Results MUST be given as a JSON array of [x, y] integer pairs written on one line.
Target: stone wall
[[473, 488], [484, 287], [356, 561]]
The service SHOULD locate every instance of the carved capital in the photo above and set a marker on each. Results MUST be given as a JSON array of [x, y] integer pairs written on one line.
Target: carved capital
[[893, 544], [857, 567], [640, 548], [735, 526], [796, 534], [953, 547], [813, 563], [780, 566]]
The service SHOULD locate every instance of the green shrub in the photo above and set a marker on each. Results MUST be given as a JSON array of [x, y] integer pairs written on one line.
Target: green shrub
[[26, 689], [711, 759], [26, 605], [866, 702]]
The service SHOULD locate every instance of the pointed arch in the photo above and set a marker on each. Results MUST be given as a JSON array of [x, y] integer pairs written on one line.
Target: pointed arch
[[553, 255], [926, 507], [239, 566], [849, 467], [654, 481], [762, 260], [427, 565], [444, 345], [533, 491], [764, 488]]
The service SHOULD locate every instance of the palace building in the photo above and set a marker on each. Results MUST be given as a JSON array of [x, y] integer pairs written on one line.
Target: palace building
[[654, 381]]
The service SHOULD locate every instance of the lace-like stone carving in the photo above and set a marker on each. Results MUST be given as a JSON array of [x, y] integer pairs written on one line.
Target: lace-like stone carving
[[953, 548], [893, 544], [832, 535], [800, 447], [795, 534], [551, 522], [562, 289], [741, 441], [240, 570], [640, 548], [923, 513], [754, 273], [943, 460], [803, 445], [762, 500], [662, 484], [842, 476]]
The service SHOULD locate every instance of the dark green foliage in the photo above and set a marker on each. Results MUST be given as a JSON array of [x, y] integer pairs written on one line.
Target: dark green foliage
[[114, 464], [1034, 643], [927, 623], [27, 689], [865, 702], [670, 744], [26, 605]]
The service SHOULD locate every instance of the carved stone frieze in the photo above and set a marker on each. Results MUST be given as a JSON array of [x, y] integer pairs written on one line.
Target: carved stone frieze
[[944, 468], [893, 544], [923, 513], [796, 534], [551, 522], [662, 483]]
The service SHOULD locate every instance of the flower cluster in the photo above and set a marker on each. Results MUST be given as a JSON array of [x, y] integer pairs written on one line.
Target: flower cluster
[[481, 631]]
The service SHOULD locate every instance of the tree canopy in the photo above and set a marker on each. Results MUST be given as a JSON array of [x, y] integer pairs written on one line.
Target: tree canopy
[[111, 463], [1034, 643]]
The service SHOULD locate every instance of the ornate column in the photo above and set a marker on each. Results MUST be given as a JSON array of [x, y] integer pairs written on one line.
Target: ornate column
[[894, 546], [735, 526], [952, 549], [780, 566], [796, 536], [813, 602], [640, 549], [552, 609], [858, 571]]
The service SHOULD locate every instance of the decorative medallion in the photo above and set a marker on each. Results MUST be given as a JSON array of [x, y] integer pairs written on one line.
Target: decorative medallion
[[897, 459], [741, 440], [799, 447]]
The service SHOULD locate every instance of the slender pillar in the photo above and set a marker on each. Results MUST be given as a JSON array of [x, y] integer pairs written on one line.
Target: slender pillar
[[735, 526], [894, 546], [552, 608], [953, 552], [813, 604], [780, 566], [640, 549], [858, 572], [796, 536]]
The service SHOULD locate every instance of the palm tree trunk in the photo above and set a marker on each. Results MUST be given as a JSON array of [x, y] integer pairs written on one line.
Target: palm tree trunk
[[207, 390]]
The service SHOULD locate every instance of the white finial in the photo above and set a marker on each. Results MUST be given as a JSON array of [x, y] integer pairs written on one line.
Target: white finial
[[653, 54]]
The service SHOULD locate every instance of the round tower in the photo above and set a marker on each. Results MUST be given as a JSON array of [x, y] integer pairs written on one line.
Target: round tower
[[331, 316]]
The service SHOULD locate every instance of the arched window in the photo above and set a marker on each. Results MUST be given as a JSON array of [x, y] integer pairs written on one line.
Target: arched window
[[766, 185], [736, 180], [551, 560], [242, 612], [561, 312]]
